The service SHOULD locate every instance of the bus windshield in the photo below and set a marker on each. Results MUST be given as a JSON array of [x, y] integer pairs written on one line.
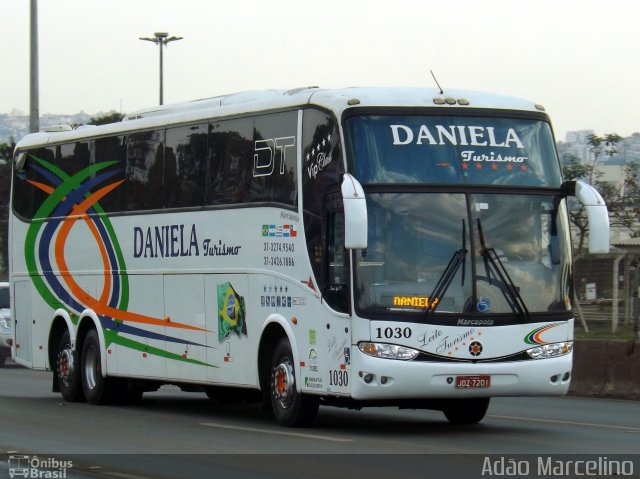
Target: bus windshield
[[435, 247], [452, 150], [471, 253]]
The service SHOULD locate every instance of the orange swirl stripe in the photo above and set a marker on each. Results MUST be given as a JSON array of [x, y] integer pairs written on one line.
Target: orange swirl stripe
[[100, 306], [537, 338], [41, 186]]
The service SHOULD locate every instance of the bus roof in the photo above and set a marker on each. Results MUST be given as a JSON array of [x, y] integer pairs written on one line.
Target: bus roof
[[336, 100]]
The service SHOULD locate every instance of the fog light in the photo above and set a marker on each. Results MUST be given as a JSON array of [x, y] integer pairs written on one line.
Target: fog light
[[383, 380], [554, 378], [566, 376], [368, 378]]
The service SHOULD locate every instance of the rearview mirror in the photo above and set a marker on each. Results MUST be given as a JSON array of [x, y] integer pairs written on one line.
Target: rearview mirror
[[597, 214], [355, 213]]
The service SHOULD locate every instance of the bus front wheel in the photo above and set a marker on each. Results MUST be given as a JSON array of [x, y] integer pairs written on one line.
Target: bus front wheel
[[290, 408], [466, 411]]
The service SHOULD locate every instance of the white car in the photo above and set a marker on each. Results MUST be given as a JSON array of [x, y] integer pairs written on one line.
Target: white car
[[5, 323]]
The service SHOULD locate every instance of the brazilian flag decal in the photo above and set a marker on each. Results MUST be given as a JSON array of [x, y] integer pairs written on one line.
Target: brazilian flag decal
[[231, 312]]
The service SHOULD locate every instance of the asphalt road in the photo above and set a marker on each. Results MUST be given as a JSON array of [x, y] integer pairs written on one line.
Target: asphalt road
[[174, 434]]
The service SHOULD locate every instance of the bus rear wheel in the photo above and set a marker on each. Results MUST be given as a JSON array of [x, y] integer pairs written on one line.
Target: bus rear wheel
[[466, 411], [67, 370], [290, 408], [97, 389]]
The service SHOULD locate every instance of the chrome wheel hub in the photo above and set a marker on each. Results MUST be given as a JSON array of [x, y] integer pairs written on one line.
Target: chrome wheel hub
[[91, 368], [283, 384], [66, 366]]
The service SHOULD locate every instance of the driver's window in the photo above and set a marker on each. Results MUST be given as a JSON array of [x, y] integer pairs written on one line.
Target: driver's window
[[336, 287]]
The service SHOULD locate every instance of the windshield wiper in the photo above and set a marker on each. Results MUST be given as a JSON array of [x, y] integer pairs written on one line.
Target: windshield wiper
[[449, 273], [503, 281]]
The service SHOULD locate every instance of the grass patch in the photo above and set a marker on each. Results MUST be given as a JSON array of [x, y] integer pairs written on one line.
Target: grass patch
[[602, 330]]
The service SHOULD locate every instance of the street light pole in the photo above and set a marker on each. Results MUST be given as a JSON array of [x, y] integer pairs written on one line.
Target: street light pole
[[34, 108], [161, 39]]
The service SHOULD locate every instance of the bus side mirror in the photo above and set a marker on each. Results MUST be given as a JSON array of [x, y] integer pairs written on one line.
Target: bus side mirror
[[355, 213], [597, 214]]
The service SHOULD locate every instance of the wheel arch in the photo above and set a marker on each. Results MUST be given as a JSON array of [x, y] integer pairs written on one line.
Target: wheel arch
[[275, 328], [61, 323]]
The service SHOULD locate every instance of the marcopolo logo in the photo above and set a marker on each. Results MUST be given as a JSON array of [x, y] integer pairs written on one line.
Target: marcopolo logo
[[35, 467]]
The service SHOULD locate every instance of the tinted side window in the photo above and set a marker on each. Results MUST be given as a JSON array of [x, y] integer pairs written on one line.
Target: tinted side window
[[73, 157], [228, 169], [321, 175], [184, 166], [113, 150], [230, 162], [31, 183], [70, 158], [274, 158], [144, 171], [253, 160], [46, 169]]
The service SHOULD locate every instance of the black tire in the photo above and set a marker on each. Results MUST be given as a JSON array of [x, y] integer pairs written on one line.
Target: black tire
[[96, 388], [466, 411], [67, 370], [290, 408]]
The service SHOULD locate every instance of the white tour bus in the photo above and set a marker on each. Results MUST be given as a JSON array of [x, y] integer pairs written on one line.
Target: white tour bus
[[354, 247]]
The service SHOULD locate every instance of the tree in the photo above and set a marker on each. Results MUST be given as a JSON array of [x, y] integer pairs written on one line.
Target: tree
[[111, 117], [624, 207], [574, 169]]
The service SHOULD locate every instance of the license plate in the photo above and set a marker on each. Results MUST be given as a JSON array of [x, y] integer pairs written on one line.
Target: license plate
[[473, 382]]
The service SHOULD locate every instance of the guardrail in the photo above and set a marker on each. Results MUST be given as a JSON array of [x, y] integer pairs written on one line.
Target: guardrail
[[606, 368]]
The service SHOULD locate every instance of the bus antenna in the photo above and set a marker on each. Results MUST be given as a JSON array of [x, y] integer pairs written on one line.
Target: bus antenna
[[436, 80]]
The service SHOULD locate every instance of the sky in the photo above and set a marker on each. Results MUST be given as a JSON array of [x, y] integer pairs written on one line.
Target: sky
[[579, 58]]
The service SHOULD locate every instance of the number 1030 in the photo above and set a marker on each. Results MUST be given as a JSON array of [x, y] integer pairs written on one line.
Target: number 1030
[[390, 333]]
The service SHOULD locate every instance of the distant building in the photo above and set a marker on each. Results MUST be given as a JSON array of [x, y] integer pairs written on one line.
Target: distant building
[[576, 144], [15, 125], [610, 168]]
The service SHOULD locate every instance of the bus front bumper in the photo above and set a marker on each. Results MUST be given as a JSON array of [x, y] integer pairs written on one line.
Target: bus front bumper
[[379, 379]]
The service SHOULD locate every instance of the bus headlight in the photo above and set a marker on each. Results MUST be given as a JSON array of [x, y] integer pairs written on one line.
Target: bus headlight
[[550, 350], [388, 351]]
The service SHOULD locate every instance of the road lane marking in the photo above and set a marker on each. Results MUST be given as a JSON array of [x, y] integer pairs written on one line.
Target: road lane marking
[[122, 475], [571, 423], [280, 433]]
